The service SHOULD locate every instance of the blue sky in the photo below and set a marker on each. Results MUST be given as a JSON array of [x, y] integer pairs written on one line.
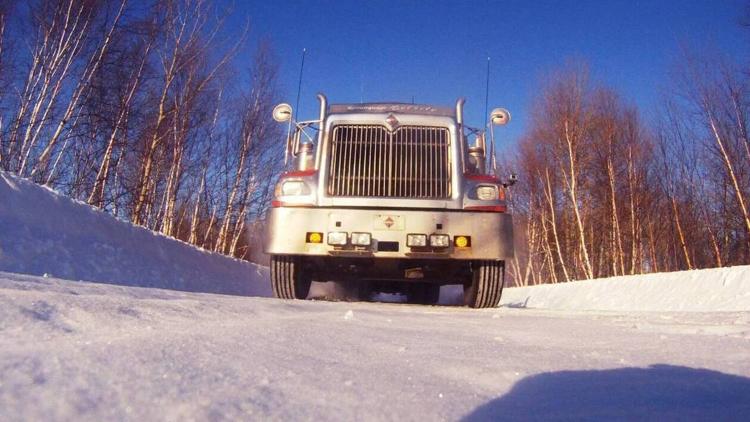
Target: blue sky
[[436, 51]]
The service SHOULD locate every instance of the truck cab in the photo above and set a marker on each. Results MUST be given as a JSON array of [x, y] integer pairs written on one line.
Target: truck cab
[[392, 197]]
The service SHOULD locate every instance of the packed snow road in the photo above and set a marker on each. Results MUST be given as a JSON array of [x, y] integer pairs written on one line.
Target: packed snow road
[[74, 350]]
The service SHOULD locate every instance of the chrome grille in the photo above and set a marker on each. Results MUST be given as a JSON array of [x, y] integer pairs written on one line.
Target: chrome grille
[[371, 161]]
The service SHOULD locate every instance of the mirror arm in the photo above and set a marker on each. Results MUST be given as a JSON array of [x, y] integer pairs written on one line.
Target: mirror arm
[[288, 140]]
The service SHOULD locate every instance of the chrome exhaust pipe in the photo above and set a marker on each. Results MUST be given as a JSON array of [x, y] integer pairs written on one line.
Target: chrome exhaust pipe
[[323, 106], [321, 126], [460, 110]]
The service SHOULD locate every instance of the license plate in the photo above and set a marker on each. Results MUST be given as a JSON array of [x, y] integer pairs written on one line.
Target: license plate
[[388, 222]]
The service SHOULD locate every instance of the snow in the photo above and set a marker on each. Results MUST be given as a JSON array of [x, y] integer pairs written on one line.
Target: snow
[[71, 350], [715, 289], [192, 343], [45, 233]]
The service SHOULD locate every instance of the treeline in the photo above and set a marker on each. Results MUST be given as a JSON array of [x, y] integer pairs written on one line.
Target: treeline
[[605, 192], [140, 109]]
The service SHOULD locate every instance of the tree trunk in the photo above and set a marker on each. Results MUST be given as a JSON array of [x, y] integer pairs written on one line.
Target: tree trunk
[[680, 234], [572, 190], [550, 202]]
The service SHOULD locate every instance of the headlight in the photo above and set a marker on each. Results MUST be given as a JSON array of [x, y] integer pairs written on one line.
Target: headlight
[[416, 240], [487, 193], [440, 240], [361, 239], [337, 238], [294, 188]]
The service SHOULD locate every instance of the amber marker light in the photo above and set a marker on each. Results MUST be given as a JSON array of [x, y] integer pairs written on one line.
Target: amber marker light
[[314, 237], [462, 241]]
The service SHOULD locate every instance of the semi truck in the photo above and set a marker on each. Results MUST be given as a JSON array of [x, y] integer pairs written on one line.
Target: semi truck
[[394, 197]]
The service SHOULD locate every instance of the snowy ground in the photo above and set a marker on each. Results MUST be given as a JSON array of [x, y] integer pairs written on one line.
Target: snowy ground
[[71, 350], [187, 345]]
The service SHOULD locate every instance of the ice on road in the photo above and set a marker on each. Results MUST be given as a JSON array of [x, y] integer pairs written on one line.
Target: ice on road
[[85, 351]]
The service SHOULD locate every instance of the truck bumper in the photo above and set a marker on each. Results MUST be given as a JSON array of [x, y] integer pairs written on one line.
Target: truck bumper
[[491, 233]]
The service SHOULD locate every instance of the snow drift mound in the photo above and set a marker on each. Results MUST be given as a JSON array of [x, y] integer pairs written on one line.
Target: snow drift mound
[[715, 289], [43, 232]]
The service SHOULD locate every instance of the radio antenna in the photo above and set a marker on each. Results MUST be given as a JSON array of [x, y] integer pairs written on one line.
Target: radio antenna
[[493, 163], [299, 86], [487, 90], [361, 88]]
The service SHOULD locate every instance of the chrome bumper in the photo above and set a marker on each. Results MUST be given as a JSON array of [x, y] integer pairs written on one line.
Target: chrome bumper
[[491, 233]]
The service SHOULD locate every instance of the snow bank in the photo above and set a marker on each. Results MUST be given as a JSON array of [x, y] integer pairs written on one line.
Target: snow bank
[[716, 289], [43, 232]]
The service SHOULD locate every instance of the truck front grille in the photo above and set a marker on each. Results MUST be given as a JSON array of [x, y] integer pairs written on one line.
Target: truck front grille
[[370, 160]]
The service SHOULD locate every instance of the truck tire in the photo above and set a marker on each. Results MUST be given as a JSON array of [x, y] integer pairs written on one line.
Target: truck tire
[[288, 278], [423, 293], [486, 284]]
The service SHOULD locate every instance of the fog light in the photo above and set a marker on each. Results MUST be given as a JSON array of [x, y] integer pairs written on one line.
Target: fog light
[[440, 240], [416, 240], [361, 239], [314, 237], [337, 238], [462, 241]]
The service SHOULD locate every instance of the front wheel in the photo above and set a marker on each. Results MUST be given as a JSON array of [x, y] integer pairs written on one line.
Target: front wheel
[[485, 286], [288, 277]]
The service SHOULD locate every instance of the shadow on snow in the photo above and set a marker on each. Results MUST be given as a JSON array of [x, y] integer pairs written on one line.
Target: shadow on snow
[[659, 392]]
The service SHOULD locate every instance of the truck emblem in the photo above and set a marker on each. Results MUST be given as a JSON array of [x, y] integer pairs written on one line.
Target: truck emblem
[[392, 122], [388, 222]]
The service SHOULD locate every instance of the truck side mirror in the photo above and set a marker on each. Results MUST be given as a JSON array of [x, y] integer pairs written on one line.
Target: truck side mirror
[[500, 117], [512, 179], [282, 113]]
